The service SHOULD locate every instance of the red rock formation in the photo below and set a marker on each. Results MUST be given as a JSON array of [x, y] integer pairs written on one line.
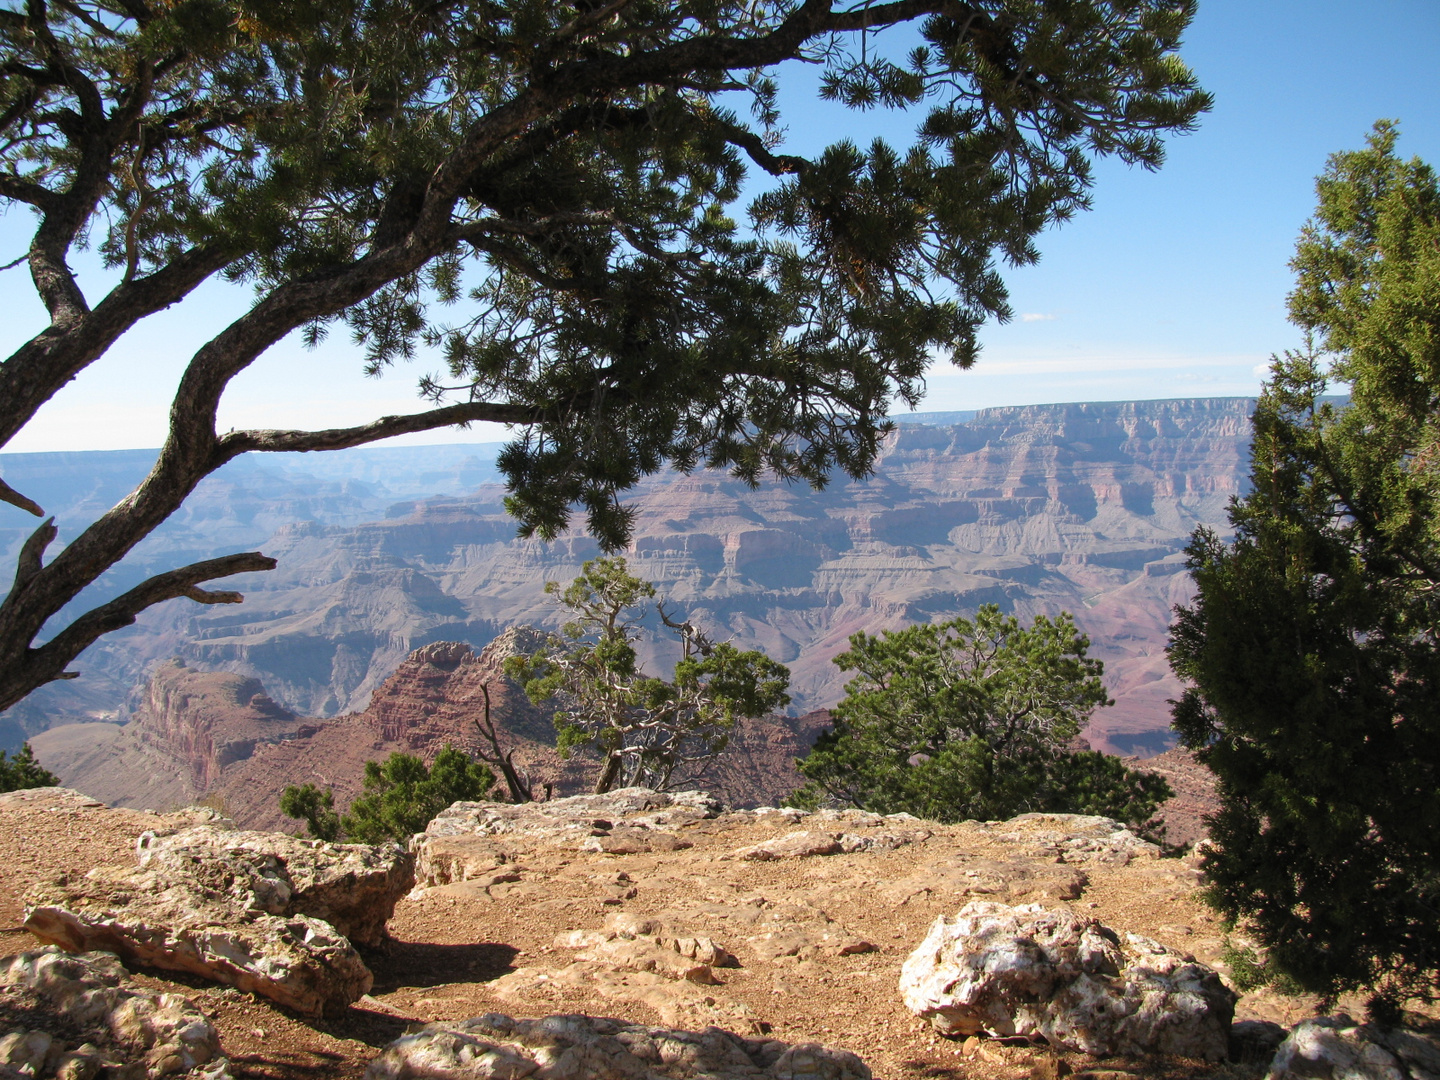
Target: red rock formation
[[213, 724], [210, 719]]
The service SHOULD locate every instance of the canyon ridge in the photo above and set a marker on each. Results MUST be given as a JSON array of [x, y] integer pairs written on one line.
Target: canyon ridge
[[1080, 507]]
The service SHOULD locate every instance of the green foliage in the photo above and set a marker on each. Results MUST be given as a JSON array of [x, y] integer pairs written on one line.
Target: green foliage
[[1310, 652], [316, 808], [970, 719], [648, 730], [22, 771], [584, 254], [582, 212], [1251, 971], [402, 795]]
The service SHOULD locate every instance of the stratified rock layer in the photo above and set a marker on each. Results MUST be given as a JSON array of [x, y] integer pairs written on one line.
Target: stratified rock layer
[[239, 908], [1084, 507], [495, 1047], [82, 1015], [1031, 971]]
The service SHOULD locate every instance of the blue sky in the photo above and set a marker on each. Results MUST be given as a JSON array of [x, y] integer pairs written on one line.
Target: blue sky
[[1172, 286]]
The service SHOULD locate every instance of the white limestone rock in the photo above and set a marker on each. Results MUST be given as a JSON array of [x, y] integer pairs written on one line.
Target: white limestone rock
[[1027, 970], [1074, 838], [175, 924], [1337, 1048], [110, 1025], [464, 840], [495, 1047], [353, 887]]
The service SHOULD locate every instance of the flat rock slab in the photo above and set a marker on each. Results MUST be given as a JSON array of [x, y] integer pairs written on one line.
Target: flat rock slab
[[800, 844], [1029, 971], [1009, 880], [353, 887], [579, 815], [1337, 1048], [471, 838], [495, 1047], [78, 1016], [1074, 838], [150, 918]]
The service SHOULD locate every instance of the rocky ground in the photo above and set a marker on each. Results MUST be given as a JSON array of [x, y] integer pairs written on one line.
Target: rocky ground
[[564, 916]]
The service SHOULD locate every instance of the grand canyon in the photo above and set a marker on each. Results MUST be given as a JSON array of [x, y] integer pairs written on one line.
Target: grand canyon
[[1083, 508]]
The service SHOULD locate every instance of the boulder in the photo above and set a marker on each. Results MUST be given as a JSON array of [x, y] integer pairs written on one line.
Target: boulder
[[495, 1047], [1030, 971], [265, 912], [1337, 1048], [353, 887], [82, 1015], [151, 918]]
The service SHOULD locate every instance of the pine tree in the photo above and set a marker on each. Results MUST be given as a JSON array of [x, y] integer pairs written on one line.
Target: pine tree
[[23, 771], [971, 719], [1310, 650], [649, 731], [546, 197]]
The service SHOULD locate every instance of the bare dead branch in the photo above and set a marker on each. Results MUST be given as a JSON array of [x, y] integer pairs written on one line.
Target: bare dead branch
[[520, 790], [27, 565], [14, 498]]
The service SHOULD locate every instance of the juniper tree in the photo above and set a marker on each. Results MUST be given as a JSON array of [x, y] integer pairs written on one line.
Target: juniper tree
[[400, 797], [23, 771], [546, 198], [1310, 650], [972, 719], [647, 730]]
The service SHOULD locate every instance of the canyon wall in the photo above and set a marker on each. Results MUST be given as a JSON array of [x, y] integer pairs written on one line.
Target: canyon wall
[[1083, 507], [216, 737]]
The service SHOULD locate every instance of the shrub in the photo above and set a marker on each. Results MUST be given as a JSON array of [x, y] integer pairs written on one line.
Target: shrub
[[963, 719], [401, 797], [22, 771]]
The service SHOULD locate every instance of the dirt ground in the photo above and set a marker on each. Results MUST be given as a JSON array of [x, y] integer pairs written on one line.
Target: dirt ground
[[488, 945]]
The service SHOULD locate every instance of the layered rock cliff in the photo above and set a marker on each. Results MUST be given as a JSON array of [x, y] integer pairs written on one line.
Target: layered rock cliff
[[216, 737], [1084, 508]]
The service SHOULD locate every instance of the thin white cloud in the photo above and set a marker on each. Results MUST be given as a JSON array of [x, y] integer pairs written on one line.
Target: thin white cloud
[[991, 364], [1035, 316]]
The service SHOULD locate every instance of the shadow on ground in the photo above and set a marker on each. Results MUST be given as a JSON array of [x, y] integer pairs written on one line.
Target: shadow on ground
[[422, 963]]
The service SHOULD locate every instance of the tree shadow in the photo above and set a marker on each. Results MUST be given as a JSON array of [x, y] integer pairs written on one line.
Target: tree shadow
[[423, 963], [931, 1070], [291, 1067]]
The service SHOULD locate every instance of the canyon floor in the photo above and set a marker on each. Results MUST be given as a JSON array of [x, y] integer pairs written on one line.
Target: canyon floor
[[819, 939]]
